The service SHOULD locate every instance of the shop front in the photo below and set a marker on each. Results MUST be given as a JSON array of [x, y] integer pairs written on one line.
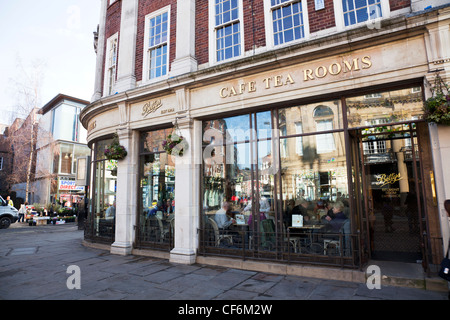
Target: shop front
[[350, 169], [322, 161]]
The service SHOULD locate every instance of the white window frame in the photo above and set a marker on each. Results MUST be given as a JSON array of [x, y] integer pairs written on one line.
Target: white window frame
[[299, 140], [268, 22], [1, 163], [108, 87], [339, 16], [147, 50], [324, 141], [213, 31]]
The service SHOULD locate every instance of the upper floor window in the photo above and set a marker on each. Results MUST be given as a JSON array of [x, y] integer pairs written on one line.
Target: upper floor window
[[286, 21], [227, 18], [156, 47], [66, 124], [111, 64], [356, 11], [1, 163]]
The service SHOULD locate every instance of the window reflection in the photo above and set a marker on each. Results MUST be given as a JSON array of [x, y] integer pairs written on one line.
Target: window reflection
[[157, 190], [105, 188], [385, 107]]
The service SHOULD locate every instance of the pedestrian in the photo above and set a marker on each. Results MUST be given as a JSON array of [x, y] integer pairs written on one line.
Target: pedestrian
[[9, 201], [22, 211]]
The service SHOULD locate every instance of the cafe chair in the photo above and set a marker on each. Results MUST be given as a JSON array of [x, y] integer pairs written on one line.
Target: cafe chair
[[334, 243], [342, 238], [294, 240], [218, 236], [163, 231]]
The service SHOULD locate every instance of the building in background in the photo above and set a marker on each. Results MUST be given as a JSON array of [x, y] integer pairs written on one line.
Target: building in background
[[60, 141], [281, 103]]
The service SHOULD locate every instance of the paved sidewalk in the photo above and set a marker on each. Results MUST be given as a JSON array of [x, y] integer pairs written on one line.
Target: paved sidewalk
[[34, 264]]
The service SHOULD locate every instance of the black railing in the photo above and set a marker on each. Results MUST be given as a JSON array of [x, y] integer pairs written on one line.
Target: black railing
[[100, 230], [155, 233], [308, 247]]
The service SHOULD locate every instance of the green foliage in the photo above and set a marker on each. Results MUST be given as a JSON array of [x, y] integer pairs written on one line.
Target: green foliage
[[437, 107]]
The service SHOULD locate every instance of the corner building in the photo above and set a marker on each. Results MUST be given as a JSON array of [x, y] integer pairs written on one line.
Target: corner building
[[287, 108]]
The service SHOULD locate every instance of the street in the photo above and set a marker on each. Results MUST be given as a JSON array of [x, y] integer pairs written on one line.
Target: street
[[50, 263]]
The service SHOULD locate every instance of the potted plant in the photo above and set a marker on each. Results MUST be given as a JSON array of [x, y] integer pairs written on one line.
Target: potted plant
[[437, 107], [175, 144], [115, 151]]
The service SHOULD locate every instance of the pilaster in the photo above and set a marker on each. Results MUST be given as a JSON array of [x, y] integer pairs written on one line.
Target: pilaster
[[126, 196], [126, 78], [100, 52], [187, 188], [185, 61]]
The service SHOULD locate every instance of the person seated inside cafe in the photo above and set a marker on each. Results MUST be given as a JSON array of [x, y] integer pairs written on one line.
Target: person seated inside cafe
[[335, 218], [300, 209], [222, 217], [169, 209]]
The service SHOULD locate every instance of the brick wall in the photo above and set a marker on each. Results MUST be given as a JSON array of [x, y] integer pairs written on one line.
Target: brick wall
[[146, 7], [399, 4], [201, 31], [321, 19], [254, 28]]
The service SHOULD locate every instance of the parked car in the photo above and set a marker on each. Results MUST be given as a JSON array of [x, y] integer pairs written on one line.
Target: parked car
[[8, 214]]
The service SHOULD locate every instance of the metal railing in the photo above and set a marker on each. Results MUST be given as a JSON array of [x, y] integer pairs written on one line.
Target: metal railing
[[327, 249], [100, 230], [155, 233]]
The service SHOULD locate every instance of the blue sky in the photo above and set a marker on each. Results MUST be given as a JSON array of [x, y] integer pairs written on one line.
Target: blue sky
[[57, 32]]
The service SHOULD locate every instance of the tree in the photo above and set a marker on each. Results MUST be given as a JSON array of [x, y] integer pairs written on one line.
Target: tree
[[22, 134]]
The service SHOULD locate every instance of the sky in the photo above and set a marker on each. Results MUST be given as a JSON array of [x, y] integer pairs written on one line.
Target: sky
[[55, 34]]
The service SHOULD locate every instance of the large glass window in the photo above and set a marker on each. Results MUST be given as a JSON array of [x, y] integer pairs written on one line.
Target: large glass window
[[385, 107], [65, 156], [104, 193], [259, 174], [66, 124], [157, 191]]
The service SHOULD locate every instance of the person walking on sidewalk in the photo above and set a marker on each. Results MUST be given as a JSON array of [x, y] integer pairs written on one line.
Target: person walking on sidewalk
[[22, 211]]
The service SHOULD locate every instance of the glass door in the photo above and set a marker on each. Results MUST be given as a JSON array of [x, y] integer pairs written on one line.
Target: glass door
[[391, 191]]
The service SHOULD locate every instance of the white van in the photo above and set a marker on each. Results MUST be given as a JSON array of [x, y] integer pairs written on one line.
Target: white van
[[8, 214]]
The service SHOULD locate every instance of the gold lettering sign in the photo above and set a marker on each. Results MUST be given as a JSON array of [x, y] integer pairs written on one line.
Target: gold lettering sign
[[384, 179], [278, 81], [151, 107]]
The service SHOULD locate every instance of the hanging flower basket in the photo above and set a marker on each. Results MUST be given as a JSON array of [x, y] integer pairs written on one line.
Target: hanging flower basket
[[175, 144], [437, 107], [115, 151]]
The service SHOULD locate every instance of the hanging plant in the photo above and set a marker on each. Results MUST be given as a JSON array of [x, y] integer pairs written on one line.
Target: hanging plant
[[175, 144], [437, 107], [115, 151]]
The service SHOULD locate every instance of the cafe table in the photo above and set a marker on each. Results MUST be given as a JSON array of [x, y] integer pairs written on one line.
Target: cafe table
[[306, 229]]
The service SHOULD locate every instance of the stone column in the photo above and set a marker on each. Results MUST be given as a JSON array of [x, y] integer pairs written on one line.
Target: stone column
[[126, 78], [437, 41], [100, 53], [185, 61], [126, 195], [187, 188]]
